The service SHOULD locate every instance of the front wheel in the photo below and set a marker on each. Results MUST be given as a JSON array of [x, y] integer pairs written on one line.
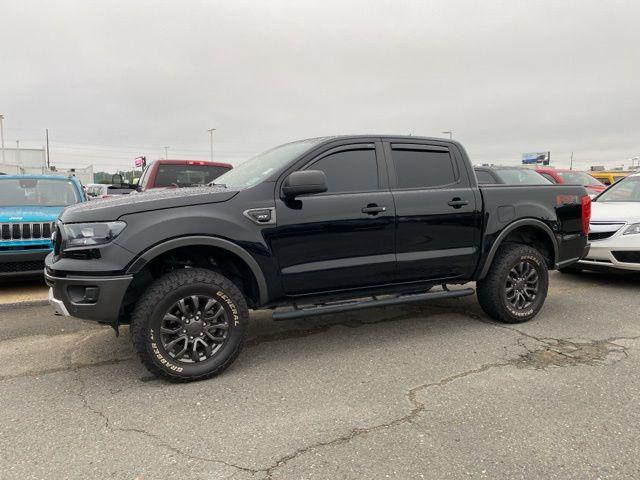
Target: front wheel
[[189, 325], [516, 286]]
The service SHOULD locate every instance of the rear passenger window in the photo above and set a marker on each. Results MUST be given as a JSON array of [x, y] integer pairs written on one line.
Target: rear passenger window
[[484, 177], [422, 168], [349, 170]]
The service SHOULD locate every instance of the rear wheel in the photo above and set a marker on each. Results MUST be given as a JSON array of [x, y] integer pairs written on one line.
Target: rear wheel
[[189, 325], [516, 286]]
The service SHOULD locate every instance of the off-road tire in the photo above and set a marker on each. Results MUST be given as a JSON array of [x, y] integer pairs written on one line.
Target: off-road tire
[[491, 290], [150, 310]]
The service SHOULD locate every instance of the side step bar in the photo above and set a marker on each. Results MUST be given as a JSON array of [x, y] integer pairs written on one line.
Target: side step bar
[[374, 303]]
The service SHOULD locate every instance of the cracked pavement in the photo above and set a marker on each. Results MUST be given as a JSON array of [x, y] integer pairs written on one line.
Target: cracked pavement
[[430, 391]]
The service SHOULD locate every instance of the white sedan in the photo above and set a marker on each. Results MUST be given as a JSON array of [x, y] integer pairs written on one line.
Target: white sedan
[[614, 231]]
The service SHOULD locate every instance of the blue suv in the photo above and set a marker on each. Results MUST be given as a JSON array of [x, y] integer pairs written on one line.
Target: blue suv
[[29, 207]]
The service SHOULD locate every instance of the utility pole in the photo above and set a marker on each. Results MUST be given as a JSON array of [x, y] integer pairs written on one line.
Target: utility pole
[[166, 153], [48, 160], [571, 166], [450, 133], [2, 136], [211, 130], [18, 153]]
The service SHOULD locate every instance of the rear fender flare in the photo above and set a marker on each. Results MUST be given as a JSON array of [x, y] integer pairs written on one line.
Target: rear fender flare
[[525, 222]]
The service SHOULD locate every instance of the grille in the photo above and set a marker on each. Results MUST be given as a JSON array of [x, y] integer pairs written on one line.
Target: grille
[[15, 267], [627, 257], [600, 235], [26, 231]]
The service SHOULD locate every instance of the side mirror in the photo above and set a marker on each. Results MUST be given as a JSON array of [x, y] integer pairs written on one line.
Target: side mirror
[[304, 182]]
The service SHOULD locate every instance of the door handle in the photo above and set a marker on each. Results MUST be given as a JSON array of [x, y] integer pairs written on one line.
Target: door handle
[[457, 202], [373, 209]]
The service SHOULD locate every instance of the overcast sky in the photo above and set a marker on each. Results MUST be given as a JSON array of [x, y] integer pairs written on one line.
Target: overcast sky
[[115, 79]]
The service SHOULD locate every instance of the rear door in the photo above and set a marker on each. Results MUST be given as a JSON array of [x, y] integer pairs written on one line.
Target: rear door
[[343, 238], [438, 220]]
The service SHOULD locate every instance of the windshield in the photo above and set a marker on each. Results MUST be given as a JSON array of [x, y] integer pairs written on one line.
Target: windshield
[[579, 178], [16, 192], [627, 190], [187, 175], [521, 176], [258, 168]]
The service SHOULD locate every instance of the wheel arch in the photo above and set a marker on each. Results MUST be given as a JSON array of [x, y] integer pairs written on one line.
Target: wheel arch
[[204, 241], [529, 231]]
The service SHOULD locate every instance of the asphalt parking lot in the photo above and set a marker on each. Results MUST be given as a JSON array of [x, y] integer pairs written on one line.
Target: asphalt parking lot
[[431, 391]]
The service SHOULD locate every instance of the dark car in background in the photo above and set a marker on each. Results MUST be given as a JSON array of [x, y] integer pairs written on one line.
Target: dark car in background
[[508, 176], [180, 173]]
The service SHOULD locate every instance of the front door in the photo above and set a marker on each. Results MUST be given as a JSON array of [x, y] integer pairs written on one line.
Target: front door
[[343, 238]]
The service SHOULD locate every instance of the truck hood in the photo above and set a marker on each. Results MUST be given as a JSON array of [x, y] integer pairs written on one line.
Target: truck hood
[[615, 212], [113, 208], [33, 214]]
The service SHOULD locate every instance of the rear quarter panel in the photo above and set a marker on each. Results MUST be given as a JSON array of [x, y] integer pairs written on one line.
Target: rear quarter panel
[[556, 206]]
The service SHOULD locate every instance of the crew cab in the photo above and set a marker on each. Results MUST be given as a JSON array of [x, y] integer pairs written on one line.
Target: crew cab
[[29, 206], [312, 227], [180, 173]]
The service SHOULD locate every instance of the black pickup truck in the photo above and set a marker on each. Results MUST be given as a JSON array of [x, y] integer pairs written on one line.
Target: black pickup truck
[[315, 227]]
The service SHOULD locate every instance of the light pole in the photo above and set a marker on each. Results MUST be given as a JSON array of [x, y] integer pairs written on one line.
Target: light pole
[[2, 136], [450, 133], [166, 153], [211, 130]]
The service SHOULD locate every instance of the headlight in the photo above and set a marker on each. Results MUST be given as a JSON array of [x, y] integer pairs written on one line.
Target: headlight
[[632, 229], [87, 234]]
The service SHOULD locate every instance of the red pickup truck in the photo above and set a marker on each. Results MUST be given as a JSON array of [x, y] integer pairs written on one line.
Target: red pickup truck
[[180, 173]]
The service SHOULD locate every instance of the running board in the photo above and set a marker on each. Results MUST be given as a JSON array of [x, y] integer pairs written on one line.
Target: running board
[[362, 304]]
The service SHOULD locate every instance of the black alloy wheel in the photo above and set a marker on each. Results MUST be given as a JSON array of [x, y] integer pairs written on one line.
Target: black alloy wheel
[[521, 286], [194, 328]]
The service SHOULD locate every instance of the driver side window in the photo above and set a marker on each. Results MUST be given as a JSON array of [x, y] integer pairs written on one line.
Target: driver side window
[[349, 171]]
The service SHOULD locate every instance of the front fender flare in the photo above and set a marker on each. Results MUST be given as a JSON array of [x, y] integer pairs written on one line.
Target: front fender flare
[[188, 241]]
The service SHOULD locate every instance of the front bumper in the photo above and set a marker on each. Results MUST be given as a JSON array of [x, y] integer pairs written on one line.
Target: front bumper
[[17, 263], [603, 253], [89, 297]]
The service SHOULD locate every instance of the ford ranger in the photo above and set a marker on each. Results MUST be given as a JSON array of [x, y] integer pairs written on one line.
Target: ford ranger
[[311, 227]]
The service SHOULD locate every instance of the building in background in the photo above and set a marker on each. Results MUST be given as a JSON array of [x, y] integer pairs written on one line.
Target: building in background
[[19, 161], [23, 160]]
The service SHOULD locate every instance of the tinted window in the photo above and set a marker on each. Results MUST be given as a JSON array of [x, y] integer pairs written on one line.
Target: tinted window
[[579, 178], [187, 175], [521, 176], [349, 171], [422, 168], [484, 177]]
